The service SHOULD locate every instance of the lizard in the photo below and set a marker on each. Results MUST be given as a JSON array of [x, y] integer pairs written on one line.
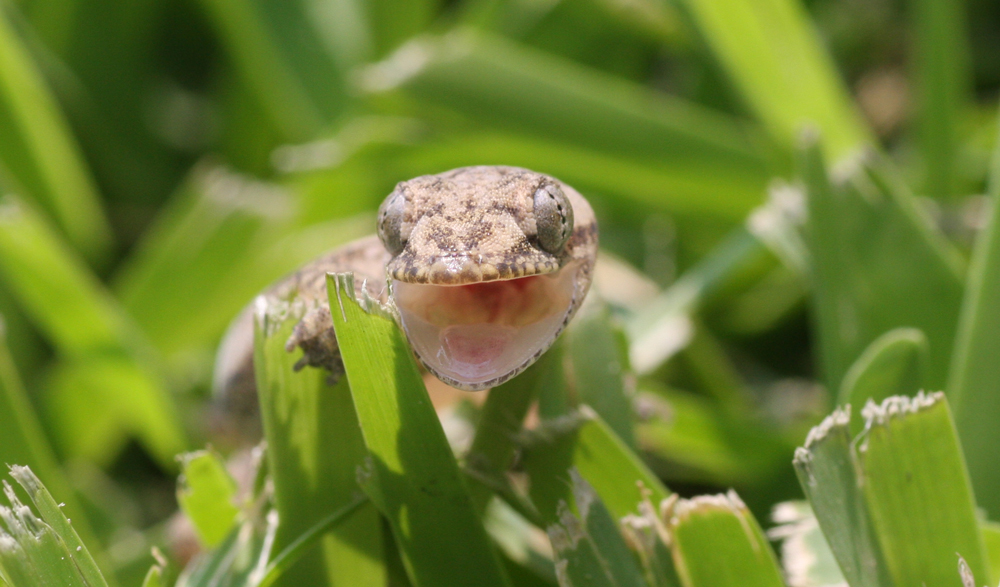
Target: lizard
[[485, 265]]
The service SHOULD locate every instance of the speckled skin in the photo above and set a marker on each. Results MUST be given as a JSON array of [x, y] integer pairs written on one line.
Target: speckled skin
[[468, 225]]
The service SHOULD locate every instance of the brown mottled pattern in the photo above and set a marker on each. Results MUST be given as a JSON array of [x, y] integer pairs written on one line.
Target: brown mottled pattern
[[467, 225]]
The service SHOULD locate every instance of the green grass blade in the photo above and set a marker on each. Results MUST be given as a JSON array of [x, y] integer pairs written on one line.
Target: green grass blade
[[975, 368], [42, 549], [589, 549], [154, 578], [282, 54], [412, 476], [895, 503], [583, 442], [918, 491], [294, 551], [222, 238], [599, 368], [776, 59], [669, 184], [314, 450], [716, 542], [944, 90], [991, 538], [205, 493], [893, 364], [39, 155], [826, 470], [81, 319], [494, 446], [511, 87], [239, 561], [877, 264]]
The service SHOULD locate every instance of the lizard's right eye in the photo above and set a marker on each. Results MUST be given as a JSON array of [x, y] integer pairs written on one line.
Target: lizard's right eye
[[390, 223]]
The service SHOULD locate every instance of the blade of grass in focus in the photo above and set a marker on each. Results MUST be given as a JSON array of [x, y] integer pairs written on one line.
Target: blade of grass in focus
[[314, 450], [918, 491], [877, 264], [826, 471], [40, 157], [716, 542], [777, 60], [589, 549], [81, 319], [975, 367], [944, 79], [42, 548], [915, 508], [583, 442], [411, 475]]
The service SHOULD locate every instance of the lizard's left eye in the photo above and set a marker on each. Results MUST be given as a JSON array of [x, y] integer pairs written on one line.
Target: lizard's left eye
[[553, 218], [390, 223]]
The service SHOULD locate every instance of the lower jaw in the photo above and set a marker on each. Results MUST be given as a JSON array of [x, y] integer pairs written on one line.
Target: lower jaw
[[473, 337]]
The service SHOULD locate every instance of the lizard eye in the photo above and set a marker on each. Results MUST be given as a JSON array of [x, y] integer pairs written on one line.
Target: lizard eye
[[390, 223], [553, 218]]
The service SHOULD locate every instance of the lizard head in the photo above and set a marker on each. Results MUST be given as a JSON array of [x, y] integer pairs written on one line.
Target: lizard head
[[488, 265]]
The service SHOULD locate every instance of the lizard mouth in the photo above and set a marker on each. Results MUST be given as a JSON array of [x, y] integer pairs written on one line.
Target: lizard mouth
[[478, 335]]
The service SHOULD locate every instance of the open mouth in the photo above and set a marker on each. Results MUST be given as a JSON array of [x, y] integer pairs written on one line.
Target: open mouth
[[471, 335]]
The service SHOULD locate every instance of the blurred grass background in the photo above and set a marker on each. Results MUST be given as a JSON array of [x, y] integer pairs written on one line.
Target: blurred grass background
[[161, 161]]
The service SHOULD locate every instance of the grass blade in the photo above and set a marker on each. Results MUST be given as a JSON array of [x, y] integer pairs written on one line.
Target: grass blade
[[42, 549], [507, 86], [494, 446], [775, 57], [284, 58], [918, 491], [944, 88], [589, 549], [81, 319], [584, 443], [877, 264], [205, 493], [306, 423], [893, 364], [975, 368], [895, 503], [412, 476], [39, 155], [223, 238], [287, 557], [718, 543], [598, 362], [826, 470]]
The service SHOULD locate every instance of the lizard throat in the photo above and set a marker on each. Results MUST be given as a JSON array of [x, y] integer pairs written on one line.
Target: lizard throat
[[477, 336]]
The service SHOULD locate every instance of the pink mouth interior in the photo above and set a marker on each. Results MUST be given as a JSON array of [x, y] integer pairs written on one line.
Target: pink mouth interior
[[475, 333]]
